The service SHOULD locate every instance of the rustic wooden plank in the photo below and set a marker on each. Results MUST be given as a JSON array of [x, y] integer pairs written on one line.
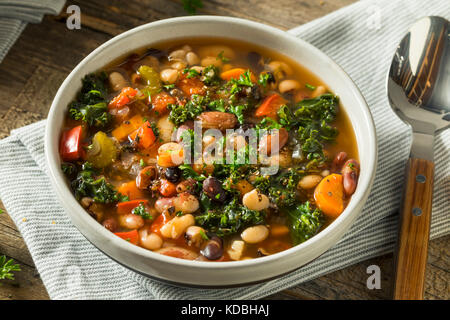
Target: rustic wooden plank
[[27, 285]]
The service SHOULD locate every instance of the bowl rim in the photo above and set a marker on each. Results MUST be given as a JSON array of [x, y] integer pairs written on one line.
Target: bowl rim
[[72, 206]]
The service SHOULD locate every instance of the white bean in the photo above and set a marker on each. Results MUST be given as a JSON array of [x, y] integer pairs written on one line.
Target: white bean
[[186, 203], [211, 61], [163, 204], [192, 58], [288, 85], [309, 181], [178, 252], [198, 69], [194, 235], [254, 200], [325, 173], [178, 65], [186, 48], [237, 247], [177, 226], [165, 127], [169, 75], [150, 241], [177, 55], [131, 221], [320, 90], [255, 234], [215, 50], [117, 81], [280, 68]]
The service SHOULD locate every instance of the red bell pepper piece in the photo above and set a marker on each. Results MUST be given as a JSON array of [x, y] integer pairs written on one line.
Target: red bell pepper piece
[[158, 223], [70, 146], [127, 206], [131, 236], [123, 98]]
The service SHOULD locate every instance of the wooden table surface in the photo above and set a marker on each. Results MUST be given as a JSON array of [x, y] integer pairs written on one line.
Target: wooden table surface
[[45, 54]]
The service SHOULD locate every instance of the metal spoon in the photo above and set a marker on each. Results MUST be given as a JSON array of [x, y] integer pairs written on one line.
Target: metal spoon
[[418, 88]]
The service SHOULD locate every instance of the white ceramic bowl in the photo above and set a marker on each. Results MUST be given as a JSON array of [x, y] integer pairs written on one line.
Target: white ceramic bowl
[[196, 273]]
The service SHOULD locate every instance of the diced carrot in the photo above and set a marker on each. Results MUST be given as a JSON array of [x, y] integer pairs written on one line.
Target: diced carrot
[[161, 101], [130, 190], [158, 223], [278, 230], [127, 127], [191, 86], [329, 195], [170, 156], [235, 74], [123, 98], [127, 206], [270, 106], [144, 135], [131, 236], [167, 188]]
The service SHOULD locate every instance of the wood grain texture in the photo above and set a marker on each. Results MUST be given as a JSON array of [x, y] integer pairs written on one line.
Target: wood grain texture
[[45, 54], [414, 233]]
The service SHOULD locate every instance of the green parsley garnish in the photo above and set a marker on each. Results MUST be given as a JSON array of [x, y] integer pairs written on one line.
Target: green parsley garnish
[[222, 58], [7, 267], [191, 73], [203, 235], [310, 87], [140, 210]]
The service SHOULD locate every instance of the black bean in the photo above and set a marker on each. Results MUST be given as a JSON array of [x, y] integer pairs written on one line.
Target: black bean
[[212, 187], [155, 53], [213, 249], [271, 77], [255, 61], [173, 174]]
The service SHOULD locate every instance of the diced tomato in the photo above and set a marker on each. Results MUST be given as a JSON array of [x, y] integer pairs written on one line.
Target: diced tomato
[[270, 106], [70, 146], [158, 223], [167, 188], [123, 98], [191, 86], [144, 136], [127, 206], [131, 236], [161, 101]]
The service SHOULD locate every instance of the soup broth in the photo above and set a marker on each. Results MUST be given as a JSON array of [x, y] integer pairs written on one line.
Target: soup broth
[[129, 149]]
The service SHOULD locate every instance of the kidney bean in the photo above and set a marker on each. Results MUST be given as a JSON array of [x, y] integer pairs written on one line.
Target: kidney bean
[[212, 187], [265, 143], [146, 176], [110, 224], [350, 173], [338, 161], [187, 186]]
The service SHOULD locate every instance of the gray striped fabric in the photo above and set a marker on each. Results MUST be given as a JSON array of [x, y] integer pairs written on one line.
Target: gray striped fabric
[[15, 14], [72, 268]]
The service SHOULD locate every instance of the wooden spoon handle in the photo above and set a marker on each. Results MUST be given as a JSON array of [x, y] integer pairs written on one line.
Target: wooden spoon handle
[[415, 218]]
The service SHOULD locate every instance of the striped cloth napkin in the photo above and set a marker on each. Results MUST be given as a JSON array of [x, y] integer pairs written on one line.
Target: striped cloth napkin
[[362, 38], [15, 14]]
